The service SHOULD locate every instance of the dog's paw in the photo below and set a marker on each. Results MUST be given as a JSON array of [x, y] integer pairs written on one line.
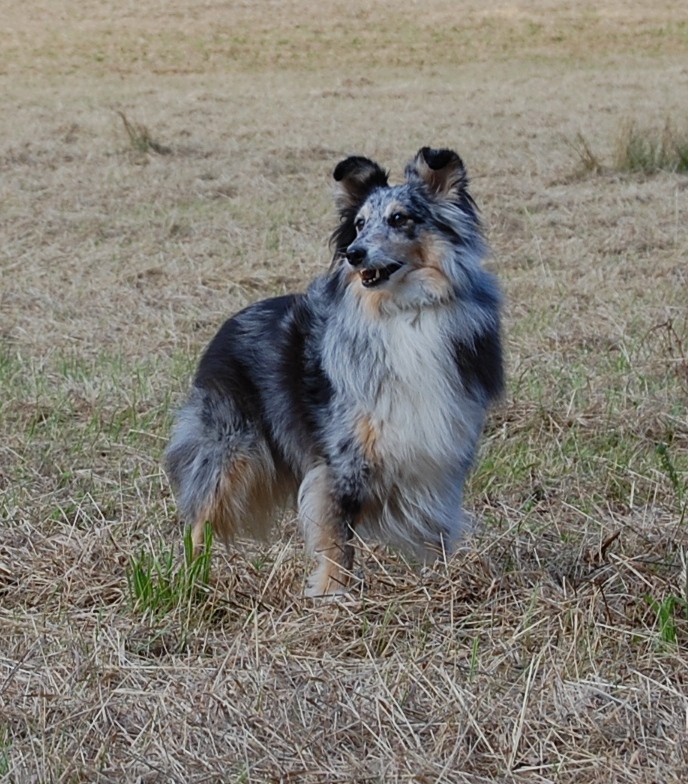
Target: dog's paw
[[327, 583]]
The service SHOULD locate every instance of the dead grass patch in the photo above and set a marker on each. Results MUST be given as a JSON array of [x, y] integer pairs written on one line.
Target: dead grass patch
[[140, 138], [224, 37], [552, 647]]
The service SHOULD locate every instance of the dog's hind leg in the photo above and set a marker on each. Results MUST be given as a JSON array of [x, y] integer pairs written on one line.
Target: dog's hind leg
[[223, 472], [328, 531]]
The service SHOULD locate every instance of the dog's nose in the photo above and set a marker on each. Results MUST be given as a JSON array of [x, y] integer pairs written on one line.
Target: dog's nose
[[355, 256]]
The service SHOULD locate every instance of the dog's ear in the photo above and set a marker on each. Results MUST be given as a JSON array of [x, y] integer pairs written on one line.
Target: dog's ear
[[354, 179], [441, 171]]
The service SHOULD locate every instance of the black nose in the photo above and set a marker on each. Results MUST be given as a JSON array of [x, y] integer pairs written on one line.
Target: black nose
[[355, 256]]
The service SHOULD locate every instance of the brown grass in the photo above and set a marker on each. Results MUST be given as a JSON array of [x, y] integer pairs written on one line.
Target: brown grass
[[200, 38], [553, 646]]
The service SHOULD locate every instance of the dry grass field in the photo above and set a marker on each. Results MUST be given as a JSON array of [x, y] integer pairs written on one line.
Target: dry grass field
[[163, 164]]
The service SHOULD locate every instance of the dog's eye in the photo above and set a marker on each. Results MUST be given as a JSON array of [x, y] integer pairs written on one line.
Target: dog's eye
[[359, 223], [397, 219]]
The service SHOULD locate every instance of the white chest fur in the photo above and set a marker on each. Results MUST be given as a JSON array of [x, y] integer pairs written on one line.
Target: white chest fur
[[398, 387]]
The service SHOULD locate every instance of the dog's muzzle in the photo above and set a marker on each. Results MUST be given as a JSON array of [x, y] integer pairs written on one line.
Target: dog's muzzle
[[374, 277], [370, 276]]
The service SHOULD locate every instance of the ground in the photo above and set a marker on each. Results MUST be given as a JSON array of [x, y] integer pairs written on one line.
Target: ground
[[164, 164]]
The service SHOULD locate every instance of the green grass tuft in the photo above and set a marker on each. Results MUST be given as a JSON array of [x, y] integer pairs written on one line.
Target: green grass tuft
[[4, 749], [637, 149], [156, 588], [670, 612], [646, 150], [671, 472]]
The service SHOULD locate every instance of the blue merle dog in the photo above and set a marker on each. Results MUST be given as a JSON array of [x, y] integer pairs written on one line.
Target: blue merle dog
[[363, 398]]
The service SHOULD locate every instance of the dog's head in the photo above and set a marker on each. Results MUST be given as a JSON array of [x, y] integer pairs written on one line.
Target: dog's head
[[409, 243]]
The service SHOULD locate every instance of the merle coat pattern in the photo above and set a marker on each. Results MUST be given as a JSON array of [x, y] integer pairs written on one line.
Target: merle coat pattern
[[362, 398]]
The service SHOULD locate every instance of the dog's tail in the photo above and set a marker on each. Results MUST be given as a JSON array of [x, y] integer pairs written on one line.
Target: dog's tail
[[222, 470]]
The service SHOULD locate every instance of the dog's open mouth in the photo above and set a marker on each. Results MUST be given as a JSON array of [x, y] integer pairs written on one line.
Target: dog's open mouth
[[374, 277]]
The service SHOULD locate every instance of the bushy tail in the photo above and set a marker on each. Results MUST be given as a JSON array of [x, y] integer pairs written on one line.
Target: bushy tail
[[222, 470]]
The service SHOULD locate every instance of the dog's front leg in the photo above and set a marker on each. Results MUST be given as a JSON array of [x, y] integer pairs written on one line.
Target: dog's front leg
[[327, 519]]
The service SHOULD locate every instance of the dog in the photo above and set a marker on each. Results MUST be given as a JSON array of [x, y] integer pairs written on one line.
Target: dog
[[363, 398]]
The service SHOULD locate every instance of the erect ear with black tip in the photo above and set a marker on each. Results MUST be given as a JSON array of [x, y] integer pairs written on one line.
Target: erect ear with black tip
[[355, 178], [441, 171]]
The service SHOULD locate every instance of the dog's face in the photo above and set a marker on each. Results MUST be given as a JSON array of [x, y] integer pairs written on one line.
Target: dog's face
[[399, 243]]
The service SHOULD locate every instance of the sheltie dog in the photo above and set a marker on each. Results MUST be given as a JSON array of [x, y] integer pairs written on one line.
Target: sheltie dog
[[363, 398]]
